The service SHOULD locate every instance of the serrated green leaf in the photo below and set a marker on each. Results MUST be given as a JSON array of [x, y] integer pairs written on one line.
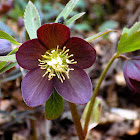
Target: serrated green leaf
[[54, 106], [133, 29], [31, 20], [98, 35], [67, 10], [8, 58], [11, 65], [129, 43], [95, 116], [74, 18], [125, 30], [4, 35]]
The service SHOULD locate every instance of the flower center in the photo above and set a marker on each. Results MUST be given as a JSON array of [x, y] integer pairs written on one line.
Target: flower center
[[56, 62]]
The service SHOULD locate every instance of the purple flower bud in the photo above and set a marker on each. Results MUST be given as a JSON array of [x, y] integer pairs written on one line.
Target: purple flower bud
[[131, 72], [20, 22], [5, 47]]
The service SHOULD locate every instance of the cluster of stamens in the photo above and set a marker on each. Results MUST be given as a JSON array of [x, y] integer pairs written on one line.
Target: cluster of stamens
[[56, 63]]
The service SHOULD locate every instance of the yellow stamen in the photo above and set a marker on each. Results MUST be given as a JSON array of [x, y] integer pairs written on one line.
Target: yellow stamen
[[56, 62]]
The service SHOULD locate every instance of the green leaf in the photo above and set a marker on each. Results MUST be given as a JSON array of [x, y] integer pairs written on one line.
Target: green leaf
[[130, 39], [67, 10], [4, 35], [133, 29], [8, 58], [129, 43], [98, 35], [72, 19], [11, 65], [3, 63], [54, 106], [31, 20], [95, 116], [13, 51]]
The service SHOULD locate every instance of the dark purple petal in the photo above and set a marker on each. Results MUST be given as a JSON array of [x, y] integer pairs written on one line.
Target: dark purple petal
[[127, 78], [53, 34], [35, 88], [131, 72], [29, 53], [136, 58], [77, 89], [136, 85], [133, 69], [83, 52]]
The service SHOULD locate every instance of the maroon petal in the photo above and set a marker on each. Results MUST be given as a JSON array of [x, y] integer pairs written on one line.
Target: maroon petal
[[28, 54], [77, 89], [53, 34], [35, 88], [83, 52]]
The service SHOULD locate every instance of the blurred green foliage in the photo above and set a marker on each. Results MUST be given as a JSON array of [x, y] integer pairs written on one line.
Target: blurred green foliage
[[50, 9], [111, 24]]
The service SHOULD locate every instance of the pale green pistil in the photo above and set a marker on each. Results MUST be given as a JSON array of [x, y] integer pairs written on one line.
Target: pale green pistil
[[56, 63]]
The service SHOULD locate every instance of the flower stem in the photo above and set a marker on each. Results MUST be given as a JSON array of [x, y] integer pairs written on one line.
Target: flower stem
[[124, 57], [92, 101], [76, 120], [33, 126]]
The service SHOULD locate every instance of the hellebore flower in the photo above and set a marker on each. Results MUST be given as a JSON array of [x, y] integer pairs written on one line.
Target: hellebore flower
[[55, 61], [131, 72]]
